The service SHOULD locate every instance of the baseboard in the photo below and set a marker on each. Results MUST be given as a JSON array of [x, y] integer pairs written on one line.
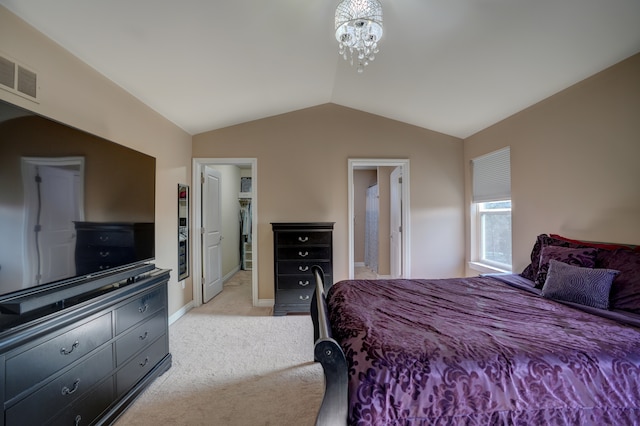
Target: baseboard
[[182, 311], [230, 274], [358, 264], [265, 303]]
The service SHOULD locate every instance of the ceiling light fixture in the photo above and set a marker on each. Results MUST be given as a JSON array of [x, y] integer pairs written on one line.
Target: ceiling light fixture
[[358, 30]]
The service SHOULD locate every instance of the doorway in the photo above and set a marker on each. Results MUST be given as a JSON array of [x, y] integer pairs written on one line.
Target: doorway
[[248, 167], [396, 206]]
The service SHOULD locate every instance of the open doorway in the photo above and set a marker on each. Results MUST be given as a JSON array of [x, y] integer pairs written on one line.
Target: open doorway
[[387, 182], [238, 177]]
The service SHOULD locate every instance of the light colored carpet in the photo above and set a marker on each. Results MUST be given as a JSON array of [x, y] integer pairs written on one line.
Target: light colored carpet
[[234, 364]]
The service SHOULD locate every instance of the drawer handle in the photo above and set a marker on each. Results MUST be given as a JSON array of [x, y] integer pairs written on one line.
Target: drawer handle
[[104, 254], [77, 420], [303, 268], [64, 351], [303, 283], [145, 362], [144, 336], [303, 239], [305, 297], [143, 309], [305, 254], [67, 391], [104, 238]]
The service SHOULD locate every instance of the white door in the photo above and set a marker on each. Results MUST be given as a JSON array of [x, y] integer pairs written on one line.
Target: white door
[[54, 197], [396, 223], [212, 235]]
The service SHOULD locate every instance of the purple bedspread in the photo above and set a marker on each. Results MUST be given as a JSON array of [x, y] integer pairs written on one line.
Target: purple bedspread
[[476, 351]]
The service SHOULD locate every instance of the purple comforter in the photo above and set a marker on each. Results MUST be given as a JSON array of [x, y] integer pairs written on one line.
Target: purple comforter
[[476, 351]]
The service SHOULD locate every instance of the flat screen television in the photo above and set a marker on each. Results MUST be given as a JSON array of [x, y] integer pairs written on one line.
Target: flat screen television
[[74, 207]]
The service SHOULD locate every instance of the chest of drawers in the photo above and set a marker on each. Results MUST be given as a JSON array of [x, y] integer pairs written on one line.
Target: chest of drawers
[[297, 247], [86, 363]]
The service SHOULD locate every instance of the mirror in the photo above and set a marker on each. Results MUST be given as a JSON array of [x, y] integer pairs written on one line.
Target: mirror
[[183, 231]]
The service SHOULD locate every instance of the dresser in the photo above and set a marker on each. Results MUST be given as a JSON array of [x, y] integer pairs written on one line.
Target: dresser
[[297, 247], [84, 364], [105, 245]]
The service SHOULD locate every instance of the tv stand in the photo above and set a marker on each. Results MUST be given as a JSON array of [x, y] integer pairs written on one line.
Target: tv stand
[[86, 363]]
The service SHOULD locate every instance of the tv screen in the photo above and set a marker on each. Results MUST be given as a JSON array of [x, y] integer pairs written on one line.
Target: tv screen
[[72, 204]]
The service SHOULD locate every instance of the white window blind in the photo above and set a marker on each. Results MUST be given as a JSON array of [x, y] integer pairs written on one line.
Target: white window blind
[[492, 176]]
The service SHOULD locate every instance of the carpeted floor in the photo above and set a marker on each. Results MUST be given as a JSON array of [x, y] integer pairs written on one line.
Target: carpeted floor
[[234, 364]]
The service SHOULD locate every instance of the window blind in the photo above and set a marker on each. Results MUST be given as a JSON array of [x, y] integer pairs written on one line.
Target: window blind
[[492, 176]]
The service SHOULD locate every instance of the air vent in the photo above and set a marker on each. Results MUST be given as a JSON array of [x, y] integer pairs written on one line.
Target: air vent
[[18, 79]]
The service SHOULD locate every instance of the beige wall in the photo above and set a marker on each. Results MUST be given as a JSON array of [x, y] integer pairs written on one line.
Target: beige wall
[[73, 93], [574, 162], [302, 169]]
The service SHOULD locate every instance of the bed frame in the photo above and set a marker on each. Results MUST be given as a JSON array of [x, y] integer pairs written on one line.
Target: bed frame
[[328, 353]]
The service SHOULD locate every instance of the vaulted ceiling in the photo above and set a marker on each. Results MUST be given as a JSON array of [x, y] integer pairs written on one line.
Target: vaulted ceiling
[[453, 66]]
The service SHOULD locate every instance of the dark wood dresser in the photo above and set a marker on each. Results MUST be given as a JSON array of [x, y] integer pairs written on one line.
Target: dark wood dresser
[[86, 363], [297, 247], [105, 245]]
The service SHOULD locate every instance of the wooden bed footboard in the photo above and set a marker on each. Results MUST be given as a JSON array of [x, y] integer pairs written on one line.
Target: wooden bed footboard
[[328, 353]]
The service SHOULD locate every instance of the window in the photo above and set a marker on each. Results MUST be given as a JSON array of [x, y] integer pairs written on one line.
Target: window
[[494, 223], [491, 221]]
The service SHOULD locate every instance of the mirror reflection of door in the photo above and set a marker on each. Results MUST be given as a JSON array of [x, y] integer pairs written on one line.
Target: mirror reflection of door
[[183, 231], [54, 194]]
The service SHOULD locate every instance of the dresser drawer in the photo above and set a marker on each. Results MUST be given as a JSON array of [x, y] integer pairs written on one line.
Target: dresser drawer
[[105, 238], [89, 407], [140, 365], [303, 253], [295, 296], [140, 309], [62, 391], [28, 368], [298, 282], [140, 336], [304, 238], [300, 267]]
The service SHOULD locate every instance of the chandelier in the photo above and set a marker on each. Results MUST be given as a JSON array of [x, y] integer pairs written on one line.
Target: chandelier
[[358, 30]]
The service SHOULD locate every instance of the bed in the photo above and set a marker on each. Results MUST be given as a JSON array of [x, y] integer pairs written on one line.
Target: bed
[[557, 344]]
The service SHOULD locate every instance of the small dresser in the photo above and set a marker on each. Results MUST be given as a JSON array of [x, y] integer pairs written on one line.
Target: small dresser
[[297, 247]]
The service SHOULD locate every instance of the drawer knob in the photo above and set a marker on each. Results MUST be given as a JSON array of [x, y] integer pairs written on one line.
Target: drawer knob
[[305, 254], [103, 253], [303, 283], [67, 391], [303, 239], [303, 268], [143, 309], [305, 297], [64, 351], [77, 420], [145, 362], [144, 336], [104, 238]]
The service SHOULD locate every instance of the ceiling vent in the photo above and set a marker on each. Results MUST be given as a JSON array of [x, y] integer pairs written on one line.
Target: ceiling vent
[[18, 79]]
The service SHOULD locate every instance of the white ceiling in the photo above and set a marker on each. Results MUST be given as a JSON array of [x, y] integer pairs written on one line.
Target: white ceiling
[[453, 66]]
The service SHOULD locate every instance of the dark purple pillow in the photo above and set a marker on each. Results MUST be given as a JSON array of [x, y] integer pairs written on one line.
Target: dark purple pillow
[[576, 284], [542, 241], [625, 292], [584, 257]]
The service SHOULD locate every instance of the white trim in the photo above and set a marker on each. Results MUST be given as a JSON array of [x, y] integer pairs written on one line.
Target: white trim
[[265, 303], [406, 223], [180, 312], [198, 167], [487, 269]]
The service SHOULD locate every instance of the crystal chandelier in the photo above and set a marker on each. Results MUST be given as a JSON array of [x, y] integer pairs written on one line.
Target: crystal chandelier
[[358, 30]]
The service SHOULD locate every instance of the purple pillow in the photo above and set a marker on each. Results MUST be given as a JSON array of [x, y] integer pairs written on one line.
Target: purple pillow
[[625, 292], [542, 241], [576, 284], [584, 257]]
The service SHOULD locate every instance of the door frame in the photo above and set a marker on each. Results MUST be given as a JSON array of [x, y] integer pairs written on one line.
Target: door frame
[[198, 168], [356, 163]]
